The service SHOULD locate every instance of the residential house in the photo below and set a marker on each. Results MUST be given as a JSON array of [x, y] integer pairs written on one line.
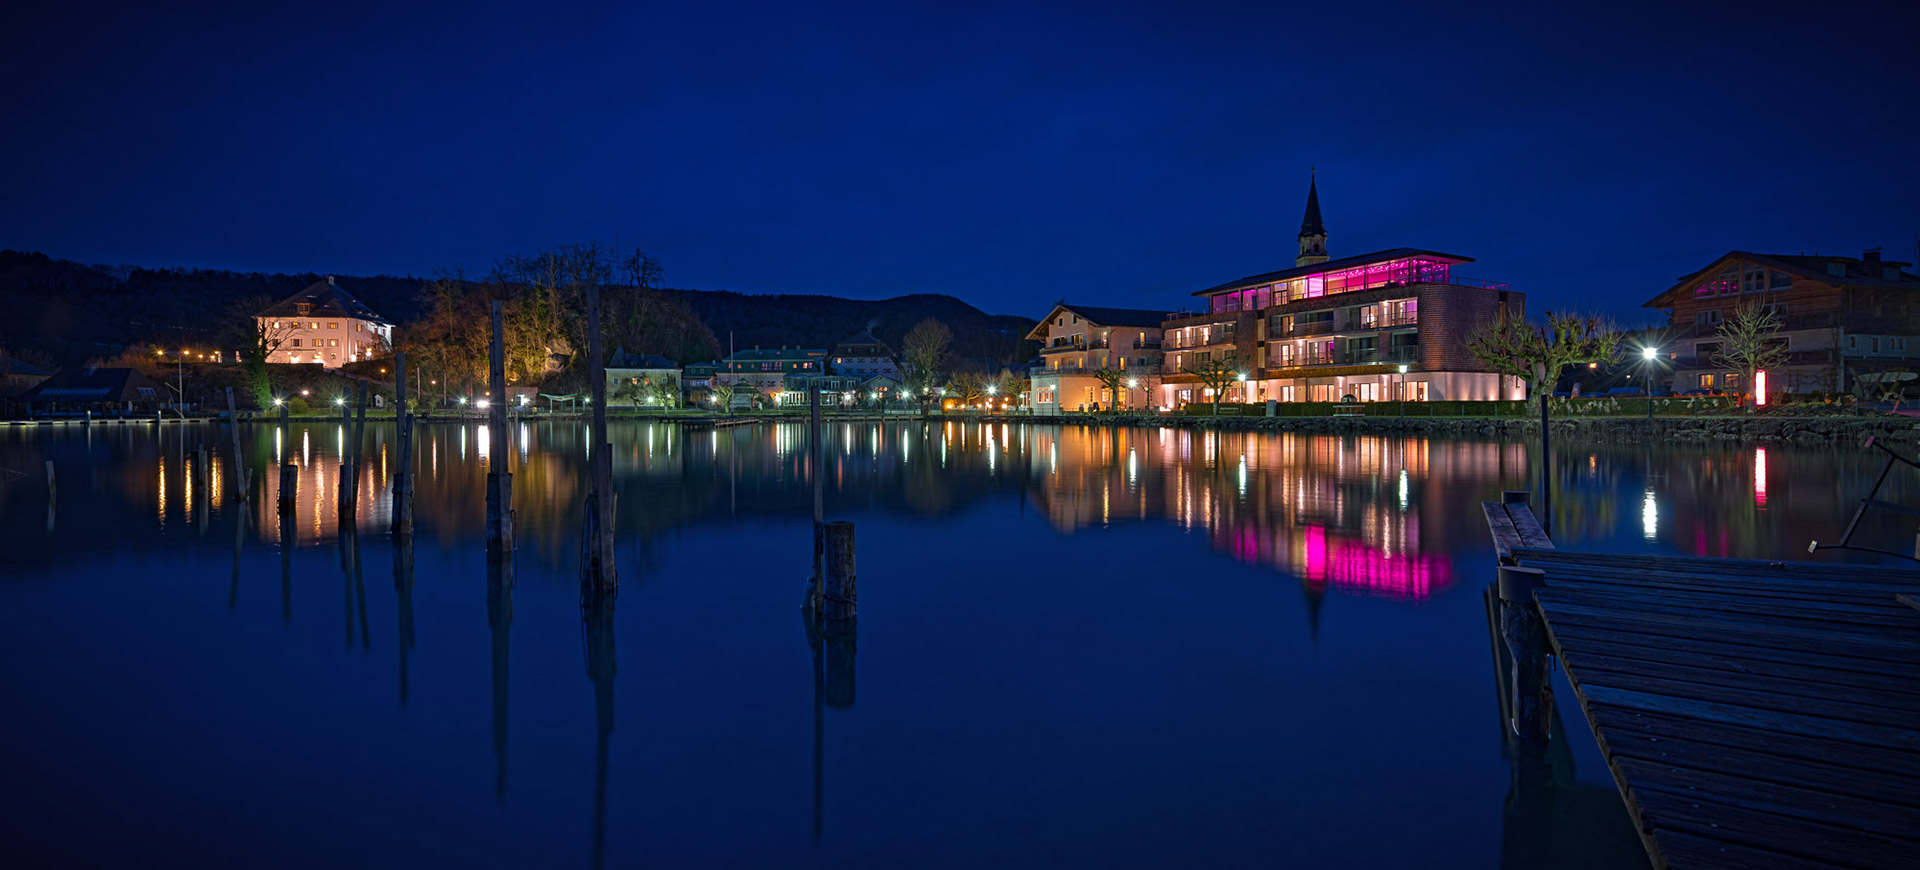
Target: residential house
[[696, 382], [765, 371], [639, 369], [17, 377], [1078, 340], [1839, 317], [863, 356], [324, 324]]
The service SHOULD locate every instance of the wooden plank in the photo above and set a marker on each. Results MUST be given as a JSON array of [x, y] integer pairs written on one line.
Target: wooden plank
[[1679, 646], [1658, 600], [1687, 851], [1528, 526], [1904, 739], [1731, 581], [1505, 538], [1805, 601], [1840, 809], [1650, 659], [1908, 600], [1753, 699], [1753, 631], [1876, 574], [1662, 810], [1809, 695], [1770, 762]]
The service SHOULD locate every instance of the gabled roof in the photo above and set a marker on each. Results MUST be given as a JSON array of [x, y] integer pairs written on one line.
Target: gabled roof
[[328, 300], [783, 354], [1100, 317], [11, 366], [1859, 272], [1332, 266], [864, 340], [623, 360], [95, 385]]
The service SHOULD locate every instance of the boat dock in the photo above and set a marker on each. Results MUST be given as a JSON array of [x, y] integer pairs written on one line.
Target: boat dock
[[1753, 713]]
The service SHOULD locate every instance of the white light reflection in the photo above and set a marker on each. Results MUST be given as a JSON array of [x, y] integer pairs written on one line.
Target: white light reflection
[[1649, 517], [1403, 490]]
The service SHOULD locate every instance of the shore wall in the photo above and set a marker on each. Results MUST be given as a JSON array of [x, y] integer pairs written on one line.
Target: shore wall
[[1844, 431]]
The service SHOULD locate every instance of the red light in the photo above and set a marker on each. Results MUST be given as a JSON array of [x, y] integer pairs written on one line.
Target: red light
[[1759, 388]]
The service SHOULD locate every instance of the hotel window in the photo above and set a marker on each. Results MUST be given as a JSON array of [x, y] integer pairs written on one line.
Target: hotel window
[[1753, 280], [333, 356], [1876, 343], [316, 324], [334, 325], [1837, 270], [1706, 348], [1779, 280], [1707, 317], [1369, 392], [333, 342], [1898, 343], [294, 342], [1706, 382], [1286, 394]]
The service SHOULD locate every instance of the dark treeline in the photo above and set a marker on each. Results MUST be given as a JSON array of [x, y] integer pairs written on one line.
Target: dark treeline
[[71, 312]]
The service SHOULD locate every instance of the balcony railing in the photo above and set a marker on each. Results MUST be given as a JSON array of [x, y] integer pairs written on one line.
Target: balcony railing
[[1340, 357], [1129, 371]]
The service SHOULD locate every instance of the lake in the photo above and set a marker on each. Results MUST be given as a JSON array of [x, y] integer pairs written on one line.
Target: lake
[[1076, 646]]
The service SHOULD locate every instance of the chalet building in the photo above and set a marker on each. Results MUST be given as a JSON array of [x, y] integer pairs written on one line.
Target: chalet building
[[864, 356], [643, 369], [1388, 325], [324, 324], [1840, 317], [766, 371], [1077, 340]]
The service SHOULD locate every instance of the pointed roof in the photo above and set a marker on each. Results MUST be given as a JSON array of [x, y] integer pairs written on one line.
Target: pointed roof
[[326, 298], [1310, 225], [95, 385], [1099, 316], [1859, 272]]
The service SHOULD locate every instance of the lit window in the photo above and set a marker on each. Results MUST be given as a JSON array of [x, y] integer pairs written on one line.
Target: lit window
[[334, 325], [316, 324], [333, 342]]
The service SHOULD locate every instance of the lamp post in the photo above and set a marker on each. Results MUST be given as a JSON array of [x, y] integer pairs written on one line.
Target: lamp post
[[1400, 390], [1648, 354]]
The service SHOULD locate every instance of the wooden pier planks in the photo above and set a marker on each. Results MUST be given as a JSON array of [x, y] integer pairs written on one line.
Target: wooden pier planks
[[1755, 714]]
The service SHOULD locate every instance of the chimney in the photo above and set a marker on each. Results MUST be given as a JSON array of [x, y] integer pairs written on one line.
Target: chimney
[[1871, 255], [329, 279]]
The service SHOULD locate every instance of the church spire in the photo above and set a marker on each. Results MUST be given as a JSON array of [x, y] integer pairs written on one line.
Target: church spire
[[1313, 233]]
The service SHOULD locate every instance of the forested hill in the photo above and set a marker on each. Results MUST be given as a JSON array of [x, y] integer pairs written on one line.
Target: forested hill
[[73, 312]]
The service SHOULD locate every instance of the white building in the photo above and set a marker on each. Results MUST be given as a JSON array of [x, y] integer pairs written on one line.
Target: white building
[[324, 324]]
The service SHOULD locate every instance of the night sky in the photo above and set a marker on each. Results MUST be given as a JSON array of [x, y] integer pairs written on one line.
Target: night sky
[[1114, 154]]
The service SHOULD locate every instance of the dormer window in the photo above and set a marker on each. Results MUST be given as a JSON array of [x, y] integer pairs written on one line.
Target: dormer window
[[305, 308], [1837, 270]]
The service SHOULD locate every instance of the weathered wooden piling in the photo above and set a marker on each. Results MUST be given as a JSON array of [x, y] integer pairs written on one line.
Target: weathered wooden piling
[[202, 469], [839, 589], [1525, 636], [289, 484], [597, 568], [403, 477], [350, 458], [499, 479], [239, 473]]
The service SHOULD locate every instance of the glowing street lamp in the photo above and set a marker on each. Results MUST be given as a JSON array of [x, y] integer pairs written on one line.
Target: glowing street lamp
[[1649, 354], [1403, 390]]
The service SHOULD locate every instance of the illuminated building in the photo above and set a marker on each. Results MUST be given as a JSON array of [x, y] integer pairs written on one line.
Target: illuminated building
[[323, 324]]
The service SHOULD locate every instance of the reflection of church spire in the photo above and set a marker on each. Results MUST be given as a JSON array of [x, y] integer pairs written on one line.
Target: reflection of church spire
[[596, 611], [500, 619]]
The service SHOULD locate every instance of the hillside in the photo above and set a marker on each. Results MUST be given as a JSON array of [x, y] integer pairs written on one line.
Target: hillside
[[73, 311]]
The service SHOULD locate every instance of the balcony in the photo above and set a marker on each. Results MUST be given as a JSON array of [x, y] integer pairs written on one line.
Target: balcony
[[1129, 371], [1341, 357], [1062, 346]]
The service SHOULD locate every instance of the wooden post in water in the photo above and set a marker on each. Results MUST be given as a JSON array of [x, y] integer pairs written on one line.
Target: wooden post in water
[[1525, 634], [816, 459], [202, 470], [838, 592], [403, 478], [499, 479], [240, 479], [597, 571], [1545, 388], [289, 482]]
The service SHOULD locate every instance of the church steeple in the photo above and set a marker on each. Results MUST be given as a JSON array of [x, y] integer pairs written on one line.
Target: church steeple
[[1313, 234]]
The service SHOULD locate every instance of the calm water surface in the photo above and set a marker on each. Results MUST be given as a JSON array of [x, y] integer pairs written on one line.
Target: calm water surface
[[1076, 647]]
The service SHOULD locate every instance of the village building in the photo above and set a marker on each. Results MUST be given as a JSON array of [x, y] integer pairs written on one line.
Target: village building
[[696, 382], [1078, 340], [640, 370], [1387, 325], [863, 356], [325, 325], [17, 377], [765, 371], [1839, 318]]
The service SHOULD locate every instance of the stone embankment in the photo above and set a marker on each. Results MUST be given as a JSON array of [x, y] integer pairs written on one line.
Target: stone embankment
[[1843, 431]]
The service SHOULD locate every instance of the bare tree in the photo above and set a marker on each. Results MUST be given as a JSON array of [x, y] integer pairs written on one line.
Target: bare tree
[[968, 387], [1111, 380], [259, 338], [1013, 385], [723, 395], [1536, 353], [922, 352], [1216, 374], [1750, 342]]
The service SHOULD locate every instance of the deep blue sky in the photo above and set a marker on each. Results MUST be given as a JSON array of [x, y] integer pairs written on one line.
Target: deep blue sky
[[1113, 154]]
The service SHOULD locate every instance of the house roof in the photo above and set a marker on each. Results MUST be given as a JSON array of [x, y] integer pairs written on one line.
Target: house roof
[[623, 360], [865, 340], [1859, 272], [11, 366], [95, 385], [328, 300], [1100, 317], [783, 354], [1332, 266]]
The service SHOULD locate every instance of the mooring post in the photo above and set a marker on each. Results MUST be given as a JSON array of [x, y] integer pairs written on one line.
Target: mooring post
[[839, 592], [289, 481], [599, 568], [240, 480], [499, 479], [202, 469], [816, 457], [403, 478], [1525, 634]]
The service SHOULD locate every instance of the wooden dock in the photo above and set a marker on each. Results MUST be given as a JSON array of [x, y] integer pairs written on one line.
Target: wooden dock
[[1753, 713]]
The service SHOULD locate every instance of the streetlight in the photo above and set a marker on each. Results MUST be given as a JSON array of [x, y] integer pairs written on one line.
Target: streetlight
[[1402, 390], [1649, 354]]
